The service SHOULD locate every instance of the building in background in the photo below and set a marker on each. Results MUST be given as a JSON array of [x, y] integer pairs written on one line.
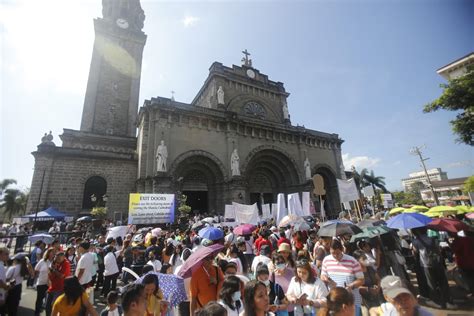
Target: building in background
[[435, 174], [456, 68], [449, 191]]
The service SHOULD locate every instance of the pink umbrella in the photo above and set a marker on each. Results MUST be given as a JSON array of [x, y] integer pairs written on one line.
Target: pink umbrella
[[470, 215], [156, 232], [244, 229], [194, 261]]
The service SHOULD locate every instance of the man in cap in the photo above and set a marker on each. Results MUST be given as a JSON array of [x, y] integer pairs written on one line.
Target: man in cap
[[400, 301]]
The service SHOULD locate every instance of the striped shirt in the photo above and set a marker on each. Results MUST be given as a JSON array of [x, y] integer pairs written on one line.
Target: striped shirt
[[343, 272]]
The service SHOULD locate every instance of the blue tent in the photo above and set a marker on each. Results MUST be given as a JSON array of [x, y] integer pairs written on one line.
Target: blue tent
[[48, 214]]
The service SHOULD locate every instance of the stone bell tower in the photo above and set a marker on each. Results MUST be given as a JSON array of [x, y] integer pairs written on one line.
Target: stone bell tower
[[111, 100], [99, 159]]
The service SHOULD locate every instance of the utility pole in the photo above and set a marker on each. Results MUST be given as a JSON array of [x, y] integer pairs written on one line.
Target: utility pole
[[417, 151]]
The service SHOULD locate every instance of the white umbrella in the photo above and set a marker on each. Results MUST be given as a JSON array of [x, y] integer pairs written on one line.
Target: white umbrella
[[291, 219], [46, 238], [209, 220], [118, 231]]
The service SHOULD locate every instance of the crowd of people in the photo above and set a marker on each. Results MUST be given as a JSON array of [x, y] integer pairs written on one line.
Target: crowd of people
[[270, 271]]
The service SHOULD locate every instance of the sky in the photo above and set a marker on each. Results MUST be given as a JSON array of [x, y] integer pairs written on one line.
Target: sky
[[360, 68]]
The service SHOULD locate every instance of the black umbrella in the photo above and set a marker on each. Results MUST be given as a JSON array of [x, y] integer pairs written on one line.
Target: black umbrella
[[370, 223], [337, 228]]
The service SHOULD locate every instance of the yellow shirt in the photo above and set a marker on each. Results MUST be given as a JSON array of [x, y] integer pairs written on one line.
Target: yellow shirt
[[63, 307], [153, 304]]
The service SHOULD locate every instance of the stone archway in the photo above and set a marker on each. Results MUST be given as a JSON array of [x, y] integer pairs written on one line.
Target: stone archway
[[269, 171], [331, 199], [199, 175], [95, 188]]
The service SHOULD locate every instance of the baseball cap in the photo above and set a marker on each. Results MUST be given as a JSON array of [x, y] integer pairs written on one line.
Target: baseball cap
[[392, 286]]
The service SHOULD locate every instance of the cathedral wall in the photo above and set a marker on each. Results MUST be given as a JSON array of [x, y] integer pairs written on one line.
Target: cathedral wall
[[65, 178]]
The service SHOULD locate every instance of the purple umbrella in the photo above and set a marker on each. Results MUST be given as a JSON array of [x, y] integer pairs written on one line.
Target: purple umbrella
[[194, 261], [244, 229], [172, 287]]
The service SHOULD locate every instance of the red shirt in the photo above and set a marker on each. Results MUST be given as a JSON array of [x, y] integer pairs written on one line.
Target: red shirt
[[464, 253], [283, 240], [57, 283]]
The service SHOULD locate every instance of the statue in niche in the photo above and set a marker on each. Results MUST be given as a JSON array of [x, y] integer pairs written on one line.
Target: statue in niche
[[161, 157], [220, 95], [307, 169], [286, 115], [234, 163]]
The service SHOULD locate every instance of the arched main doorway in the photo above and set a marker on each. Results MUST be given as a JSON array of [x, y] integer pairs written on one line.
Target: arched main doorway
[[331, 198], [94, 187], [268, 172], [199, 176]]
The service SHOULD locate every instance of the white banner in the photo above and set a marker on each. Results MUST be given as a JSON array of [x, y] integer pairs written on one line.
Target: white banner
[[281, 208], [294, 204], [229, 211], [266, 211], [368, 191], [274, 210], [306, 204], [148, 208], [347, 190], [246, 214]]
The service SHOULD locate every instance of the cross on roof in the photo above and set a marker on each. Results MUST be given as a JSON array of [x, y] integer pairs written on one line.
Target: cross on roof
[[246, 60]]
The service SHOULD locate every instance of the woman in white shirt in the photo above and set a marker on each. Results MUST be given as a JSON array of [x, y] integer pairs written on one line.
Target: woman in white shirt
[[305, 290], [16, 273], [230, 295], [41, 272]]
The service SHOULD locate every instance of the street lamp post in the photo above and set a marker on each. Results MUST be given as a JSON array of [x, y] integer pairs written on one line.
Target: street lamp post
[[417, 151]]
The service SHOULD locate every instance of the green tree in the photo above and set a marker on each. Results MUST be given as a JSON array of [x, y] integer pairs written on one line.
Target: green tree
[[458, 95], [403, 198], [13, 200], [469, 185], [374, 181]]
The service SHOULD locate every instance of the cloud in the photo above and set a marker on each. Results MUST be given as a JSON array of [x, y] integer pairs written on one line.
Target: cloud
[[458, 164], [397, 163], [190, 20], [359, 162]]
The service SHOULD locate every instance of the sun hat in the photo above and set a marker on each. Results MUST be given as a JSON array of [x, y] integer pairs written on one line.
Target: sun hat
[[284, 247]]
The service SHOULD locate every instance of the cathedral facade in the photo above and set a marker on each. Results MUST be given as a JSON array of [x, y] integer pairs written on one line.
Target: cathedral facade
[[233, 142]]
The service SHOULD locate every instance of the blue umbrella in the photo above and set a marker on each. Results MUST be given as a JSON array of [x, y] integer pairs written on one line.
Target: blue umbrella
[[408, 221], [211, 233], [172, 287]]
